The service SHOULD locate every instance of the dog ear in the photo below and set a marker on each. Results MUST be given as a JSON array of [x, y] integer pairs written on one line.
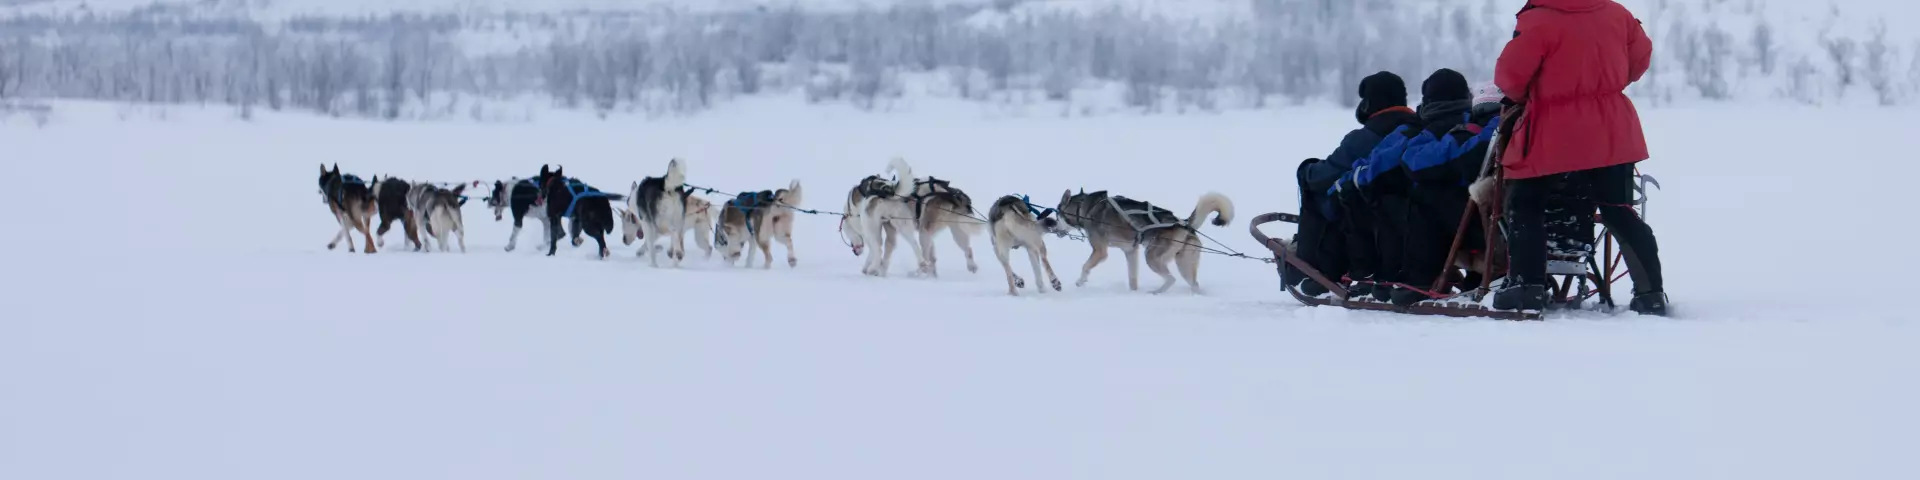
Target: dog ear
[[459, 188], [543, 171], [1065, 196]]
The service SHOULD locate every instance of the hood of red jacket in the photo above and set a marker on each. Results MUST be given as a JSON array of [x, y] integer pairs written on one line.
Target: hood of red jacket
[[1573, 6]]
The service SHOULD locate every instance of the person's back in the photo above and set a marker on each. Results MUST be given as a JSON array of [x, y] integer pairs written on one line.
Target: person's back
[[1569, 65], [1570, 62]]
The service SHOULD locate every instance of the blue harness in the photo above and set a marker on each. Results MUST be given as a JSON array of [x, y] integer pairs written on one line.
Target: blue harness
[[337, 194], [579, 190], [1039, 213], [746, 203]]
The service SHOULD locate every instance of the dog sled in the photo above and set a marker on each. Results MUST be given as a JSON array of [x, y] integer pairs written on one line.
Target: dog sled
[[1583, 262]]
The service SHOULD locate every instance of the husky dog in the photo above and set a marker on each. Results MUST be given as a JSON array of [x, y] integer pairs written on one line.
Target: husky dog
[[753, 219], [416, 205], [876, 213], [590, 209], [519, 195], [658, 205], [1016, 223], [441, 209], [352, 204], [1115, 221], [937, 206], [698, 216], [391, 195]]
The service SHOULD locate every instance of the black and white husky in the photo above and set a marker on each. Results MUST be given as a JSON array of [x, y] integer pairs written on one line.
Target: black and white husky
[[391, 194], [519, 195], [1116, 221], [590, 209], [351, 201], [658, 206]]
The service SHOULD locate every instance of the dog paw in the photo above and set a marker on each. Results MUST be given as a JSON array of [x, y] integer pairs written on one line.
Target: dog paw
[[793, 262], [1019, 282], [971, 268], [1080, 283], [331, 246], [1056, 284]]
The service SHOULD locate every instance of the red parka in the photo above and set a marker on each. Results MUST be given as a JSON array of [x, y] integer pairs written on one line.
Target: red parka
[[1570, 62]]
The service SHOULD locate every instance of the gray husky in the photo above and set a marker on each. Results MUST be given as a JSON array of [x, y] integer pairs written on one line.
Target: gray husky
[[1017, 223], [440, 209], [1115, 221]]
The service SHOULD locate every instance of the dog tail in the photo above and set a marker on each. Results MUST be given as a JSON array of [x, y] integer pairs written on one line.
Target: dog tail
[[962, 205], [676, 174], [905, 182], [791, 196], [1213, 204]]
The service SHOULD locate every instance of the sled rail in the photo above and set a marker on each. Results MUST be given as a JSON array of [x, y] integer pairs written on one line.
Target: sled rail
[[1459, 306]]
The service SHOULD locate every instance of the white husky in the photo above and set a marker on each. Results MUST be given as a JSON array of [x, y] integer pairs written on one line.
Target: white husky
[[699, 214], [876, 216]]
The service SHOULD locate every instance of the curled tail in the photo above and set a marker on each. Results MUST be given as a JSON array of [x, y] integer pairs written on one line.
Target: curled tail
[[791, 196], [905, 182], [1213, 204], [676, 175]]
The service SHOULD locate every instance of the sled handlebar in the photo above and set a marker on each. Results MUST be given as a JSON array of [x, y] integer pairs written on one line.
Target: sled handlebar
[[1282, 253]]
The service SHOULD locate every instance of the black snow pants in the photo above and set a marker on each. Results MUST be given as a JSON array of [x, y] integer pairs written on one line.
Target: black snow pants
[[1611, 188], [1320, 241], [1374, 227], [1432, 221]]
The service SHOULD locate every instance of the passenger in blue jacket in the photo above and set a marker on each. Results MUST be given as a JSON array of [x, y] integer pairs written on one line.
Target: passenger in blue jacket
[[1323, 241], [1441, 160]]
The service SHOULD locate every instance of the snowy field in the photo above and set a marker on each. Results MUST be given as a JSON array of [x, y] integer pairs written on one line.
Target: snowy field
[[172, 313]]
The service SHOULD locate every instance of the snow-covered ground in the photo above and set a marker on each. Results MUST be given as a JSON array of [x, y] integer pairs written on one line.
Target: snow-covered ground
[[172, 313]]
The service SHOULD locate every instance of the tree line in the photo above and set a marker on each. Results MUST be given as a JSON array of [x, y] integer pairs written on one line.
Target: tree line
[[674, 62]]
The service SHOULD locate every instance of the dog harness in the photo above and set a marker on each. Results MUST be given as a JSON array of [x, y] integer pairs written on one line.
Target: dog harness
[[747, 203], [1039, 213], [337, 192], [579, 190], [936, 187], [1143, 216]]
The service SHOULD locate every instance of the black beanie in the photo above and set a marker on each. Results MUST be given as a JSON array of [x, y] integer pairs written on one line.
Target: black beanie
[[1445, 85], [1380, 91]]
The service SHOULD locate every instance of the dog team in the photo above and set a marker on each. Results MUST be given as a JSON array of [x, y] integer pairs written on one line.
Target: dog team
[[659, 211]]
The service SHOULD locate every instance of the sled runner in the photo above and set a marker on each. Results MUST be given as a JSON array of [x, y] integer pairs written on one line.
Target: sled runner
[[1577, 271]]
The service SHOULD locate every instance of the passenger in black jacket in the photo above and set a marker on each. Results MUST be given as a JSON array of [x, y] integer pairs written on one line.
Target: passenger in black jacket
[[1323, 240]]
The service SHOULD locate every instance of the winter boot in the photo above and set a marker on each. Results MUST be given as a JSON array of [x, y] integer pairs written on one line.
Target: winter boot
[[1383, 293], [1312, 288], [1359, 290], [1406, 297], [1652, 303], [1521, 297]]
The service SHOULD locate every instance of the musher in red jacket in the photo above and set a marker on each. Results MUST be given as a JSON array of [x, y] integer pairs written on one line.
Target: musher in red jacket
[[1569, 63]]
